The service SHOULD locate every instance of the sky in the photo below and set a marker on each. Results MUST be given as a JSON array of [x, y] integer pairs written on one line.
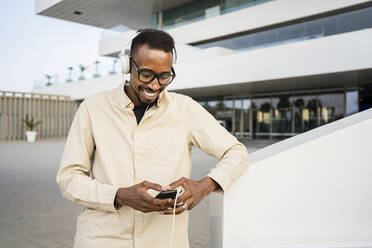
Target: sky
[[32, 45]]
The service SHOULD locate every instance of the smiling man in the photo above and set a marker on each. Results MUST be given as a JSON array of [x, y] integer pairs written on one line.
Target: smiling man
[[140, 136]]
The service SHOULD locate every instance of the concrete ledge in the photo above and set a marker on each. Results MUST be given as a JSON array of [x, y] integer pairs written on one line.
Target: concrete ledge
[[312, 190]]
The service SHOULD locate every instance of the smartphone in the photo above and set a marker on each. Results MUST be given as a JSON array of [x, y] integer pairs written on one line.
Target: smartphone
[[167, 194]]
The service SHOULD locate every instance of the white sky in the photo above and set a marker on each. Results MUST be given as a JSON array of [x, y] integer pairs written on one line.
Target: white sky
[[31, 45]]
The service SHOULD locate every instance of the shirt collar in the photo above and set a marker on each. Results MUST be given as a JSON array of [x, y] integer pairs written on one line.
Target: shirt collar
[[122, 99]]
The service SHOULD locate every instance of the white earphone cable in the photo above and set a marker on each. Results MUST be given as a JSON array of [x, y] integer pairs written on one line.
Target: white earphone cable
[[174, 219]]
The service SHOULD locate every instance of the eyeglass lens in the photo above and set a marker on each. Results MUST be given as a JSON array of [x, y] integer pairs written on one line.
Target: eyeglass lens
[[147, 76]]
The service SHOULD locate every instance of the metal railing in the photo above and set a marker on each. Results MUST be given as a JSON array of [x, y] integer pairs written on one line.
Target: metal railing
[[78, 74]]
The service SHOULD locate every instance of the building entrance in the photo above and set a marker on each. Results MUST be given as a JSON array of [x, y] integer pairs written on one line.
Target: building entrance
[[281, 115]]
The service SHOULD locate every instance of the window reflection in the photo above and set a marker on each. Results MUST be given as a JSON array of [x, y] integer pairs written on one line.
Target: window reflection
[[331, 25], [331, 107], [352, 102], [247, 117], [305, 109], [280, 116], [262, 112], [237, 117], [227, 115]]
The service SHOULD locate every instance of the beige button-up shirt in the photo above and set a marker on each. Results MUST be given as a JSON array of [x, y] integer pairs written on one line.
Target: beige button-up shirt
[[158, 150]]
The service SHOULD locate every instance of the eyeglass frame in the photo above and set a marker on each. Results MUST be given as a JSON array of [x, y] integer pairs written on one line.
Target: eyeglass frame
[[155, 74]]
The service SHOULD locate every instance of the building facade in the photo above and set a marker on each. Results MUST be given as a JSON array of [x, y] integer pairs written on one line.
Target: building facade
[[263, 68]]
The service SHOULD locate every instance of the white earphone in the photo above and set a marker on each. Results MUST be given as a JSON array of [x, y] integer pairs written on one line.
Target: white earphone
[[124, 55]]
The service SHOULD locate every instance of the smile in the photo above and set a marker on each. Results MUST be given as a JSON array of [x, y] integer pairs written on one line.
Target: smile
[[149, 93]]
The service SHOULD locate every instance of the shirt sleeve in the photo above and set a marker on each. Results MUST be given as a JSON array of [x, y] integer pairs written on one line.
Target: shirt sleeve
[[207, 134], [73, 177]]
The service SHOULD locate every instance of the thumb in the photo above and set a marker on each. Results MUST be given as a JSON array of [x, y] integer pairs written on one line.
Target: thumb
[[179, 182], [154, 186]]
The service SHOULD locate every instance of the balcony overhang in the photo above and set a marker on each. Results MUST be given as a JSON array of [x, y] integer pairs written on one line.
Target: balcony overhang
[[105, 14], [316, 83], [331, 62], [249, 20]]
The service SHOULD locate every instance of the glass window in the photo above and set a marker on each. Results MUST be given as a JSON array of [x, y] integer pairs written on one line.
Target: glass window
[[242, 42], [247, 117], [314, 29], [196, 10], [237, 117], [213, 107], [212, 3], [352, 102], [262, 116], [292, 32], [282, 116], [259, 39], [330, 26], [355, 20], [230, 4], [154, 20], [227, 115], [326, 26], [271, 36], [218, 109], [305, 112], [331, 107]]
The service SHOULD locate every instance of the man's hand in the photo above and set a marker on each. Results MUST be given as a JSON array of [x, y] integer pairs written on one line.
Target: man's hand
[[137, 198], [194, 192]]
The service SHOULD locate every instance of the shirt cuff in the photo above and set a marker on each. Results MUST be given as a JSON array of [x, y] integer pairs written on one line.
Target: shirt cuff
[[108, 198], [220, 178]]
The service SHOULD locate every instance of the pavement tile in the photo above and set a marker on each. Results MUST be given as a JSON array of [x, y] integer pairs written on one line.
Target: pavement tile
[[33, 212]]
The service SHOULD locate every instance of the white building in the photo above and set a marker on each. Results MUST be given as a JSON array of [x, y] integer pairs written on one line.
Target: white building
[[264, 68]]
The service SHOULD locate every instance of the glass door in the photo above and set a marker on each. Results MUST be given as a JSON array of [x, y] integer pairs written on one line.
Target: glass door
[[262, 117], [282, 117]]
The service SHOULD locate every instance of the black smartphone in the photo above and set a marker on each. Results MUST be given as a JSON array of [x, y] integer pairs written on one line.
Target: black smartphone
[[167, 194]]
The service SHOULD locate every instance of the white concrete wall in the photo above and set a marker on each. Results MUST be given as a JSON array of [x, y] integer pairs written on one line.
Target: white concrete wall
[[185, 52], [82, 89], [332, 54], [274, 12], [312, 190], [115, 44], [262, 15], [337, 53]]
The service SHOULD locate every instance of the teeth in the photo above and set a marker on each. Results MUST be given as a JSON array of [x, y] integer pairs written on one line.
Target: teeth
[[149, 94]]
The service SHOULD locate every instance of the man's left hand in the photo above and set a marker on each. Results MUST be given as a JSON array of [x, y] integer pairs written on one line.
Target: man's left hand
[[194, 192]]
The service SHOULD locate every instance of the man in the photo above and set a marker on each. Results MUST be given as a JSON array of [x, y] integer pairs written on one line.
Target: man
[[141, 136]]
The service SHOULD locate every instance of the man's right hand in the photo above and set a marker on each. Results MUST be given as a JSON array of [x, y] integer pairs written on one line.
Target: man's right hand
[[137, 198]]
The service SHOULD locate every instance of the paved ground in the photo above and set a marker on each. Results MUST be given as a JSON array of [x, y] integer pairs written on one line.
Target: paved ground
[[32, 211]]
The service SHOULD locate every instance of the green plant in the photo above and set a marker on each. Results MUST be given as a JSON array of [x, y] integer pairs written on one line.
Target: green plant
[[31, 123]]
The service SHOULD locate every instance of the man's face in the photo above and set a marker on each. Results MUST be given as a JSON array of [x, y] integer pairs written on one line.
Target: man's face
[[157, 61]]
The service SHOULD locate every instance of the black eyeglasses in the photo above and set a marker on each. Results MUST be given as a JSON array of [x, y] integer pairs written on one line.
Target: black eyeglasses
[[146, 76]]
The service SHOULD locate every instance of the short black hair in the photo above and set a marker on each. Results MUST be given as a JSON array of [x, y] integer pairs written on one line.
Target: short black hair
[[155, 39]]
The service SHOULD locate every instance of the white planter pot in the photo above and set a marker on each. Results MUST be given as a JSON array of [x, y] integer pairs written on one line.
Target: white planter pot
[[31, 136]]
